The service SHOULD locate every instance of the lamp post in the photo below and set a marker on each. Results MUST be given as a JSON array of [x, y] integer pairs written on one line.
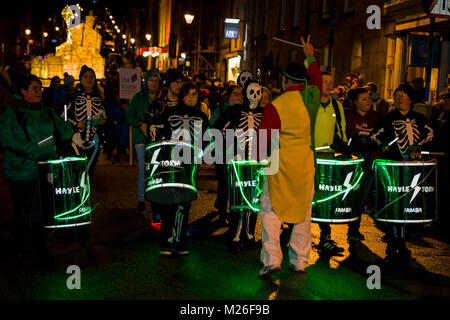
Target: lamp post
[[148, 36], [44, 35], [189, 18], [27, 33]]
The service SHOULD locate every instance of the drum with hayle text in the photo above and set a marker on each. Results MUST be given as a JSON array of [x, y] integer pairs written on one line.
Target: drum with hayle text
[[171, 172], [405, 191], [337, 187], [64, 190], [245, 184]]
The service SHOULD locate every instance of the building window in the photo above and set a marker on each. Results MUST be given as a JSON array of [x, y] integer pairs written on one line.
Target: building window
[[266, 14], [297, 14], [349, 6], [326, 8], [283, 15]]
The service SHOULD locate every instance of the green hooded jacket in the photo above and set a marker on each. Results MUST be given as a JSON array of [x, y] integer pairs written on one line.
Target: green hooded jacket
[[22, 153], [138, 105]]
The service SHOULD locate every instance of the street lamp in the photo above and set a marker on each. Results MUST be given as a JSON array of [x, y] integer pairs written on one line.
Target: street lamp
[[124, 36], [45, 34], [28, 32], [57, 28], [148, 36], [132, 40], [189, 18]]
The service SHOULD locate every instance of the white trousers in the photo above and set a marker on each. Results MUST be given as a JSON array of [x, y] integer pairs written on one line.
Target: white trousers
[[299, 242]]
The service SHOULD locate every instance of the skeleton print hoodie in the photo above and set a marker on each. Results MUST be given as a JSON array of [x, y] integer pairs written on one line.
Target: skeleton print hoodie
[[87, 107], [244, 119], [182, 117], [411, 130]]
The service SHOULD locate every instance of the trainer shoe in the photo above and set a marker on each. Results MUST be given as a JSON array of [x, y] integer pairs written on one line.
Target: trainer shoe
[[181, 249], [267, 271], [167, 249], [141, 208], [156, 218], [329, 247], [295, 269], [356, 237]]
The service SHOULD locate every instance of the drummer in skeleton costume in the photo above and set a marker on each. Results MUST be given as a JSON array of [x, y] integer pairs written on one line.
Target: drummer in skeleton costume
[[85, 112], [404, 128], [400, 136], [244, 76], [188, 121], [244, 120]]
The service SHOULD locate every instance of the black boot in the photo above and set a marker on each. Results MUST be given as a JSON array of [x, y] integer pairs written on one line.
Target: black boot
[[391, 249], [403, 252]]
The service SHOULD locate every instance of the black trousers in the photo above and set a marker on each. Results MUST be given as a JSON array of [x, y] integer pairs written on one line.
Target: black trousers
[[27, 213], [242, 225], [174, 222], [222, 188]]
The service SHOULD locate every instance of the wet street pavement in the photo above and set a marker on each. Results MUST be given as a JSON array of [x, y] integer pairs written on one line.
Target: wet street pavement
[[124, 262]]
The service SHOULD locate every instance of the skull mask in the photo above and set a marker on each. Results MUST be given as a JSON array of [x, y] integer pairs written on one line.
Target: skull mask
[[244, 77], [253, 94]]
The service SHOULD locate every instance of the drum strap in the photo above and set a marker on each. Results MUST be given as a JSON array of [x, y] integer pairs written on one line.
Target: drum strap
[[338, 116], [22, 121]]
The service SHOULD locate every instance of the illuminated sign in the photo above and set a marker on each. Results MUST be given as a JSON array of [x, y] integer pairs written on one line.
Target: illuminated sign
[[152, 50], [231, 28]]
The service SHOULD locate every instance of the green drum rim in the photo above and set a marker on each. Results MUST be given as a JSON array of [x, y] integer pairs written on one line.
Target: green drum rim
[[60, 226], [334, 221], [68, 159], [339, 162]]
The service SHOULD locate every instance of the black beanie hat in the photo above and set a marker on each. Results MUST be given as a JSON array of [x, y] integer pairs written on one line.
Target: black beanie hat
[[172, 75], [406, 89], [295, 71], [85, 69]]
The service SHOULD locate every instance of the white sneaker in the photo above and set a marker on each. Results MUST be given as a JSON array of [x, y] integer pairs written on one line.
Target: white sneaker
[[295, 269], [267, 271]]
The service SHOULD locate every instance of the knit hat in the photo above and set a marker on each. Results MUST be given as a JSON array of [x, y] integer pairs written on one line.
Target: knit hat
[[85, 69], [68, 80], [173, 75], [406, 89], [154, 73], [295, 71]]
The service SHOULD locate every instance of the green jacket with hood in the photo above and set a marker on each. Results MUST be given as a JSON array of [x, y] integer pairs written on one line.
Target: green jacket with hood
[[20, 131], [136, 109]]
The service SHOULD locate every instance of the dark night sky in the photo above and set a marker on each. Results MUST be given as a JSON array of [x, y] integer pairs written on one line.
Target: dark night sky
[[43, 9]]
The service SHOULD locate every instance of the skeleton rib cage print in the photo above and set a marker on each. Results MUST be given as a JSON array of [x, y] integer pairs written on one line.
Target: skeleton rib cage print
[[410, 130], [87, 108]]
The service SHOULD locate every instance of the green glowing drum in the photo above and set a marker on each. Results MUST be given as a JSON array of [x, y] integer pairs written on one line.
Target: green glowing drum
[[171, 172], [64, 188], [405, 191], [336, 190], [245, 184]]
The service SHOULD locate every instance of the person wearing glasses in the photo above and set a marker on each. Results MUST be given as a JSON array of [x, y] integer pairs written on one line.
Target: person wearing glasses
[[29, 134], [400, 135]]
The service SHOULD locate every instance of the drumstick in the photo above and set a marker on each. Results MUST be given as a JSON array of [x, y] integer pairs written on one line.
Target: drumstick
[[392, 142], [292, 43], [433, 153], [65, 112], [323, 148], [349, 141]]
